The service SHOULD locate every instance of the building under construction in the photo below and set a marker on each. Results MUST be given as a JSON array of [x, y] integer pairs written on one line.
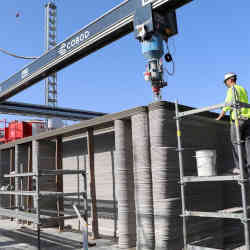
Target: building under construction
[[131, 175]]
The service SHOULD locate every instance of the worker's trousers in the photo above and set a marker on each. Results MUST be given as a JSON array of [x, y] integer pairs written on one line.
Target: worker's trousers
[[245, 144]]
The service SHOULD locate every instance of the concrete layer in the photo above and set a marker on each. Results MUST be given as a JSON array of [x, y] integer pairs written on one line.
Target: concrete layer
[[125, 182]]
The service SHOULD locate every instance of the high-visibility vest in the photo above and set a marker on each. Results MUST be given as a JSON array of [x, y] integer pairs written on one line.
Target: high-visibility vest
[[241, 96]]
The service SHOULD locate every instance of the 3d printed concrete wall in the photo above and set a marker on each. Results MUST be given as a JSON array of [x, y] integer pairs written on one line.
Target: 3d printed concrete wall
[[136, 165]]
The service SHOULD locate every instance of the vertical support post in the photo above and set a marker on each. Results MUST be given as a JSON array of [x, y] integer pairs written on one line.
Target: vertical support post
[[125, 178], [179, 149], [12, 179], [59, 181], [114, 196], [143, 182], [78, 189], [85, 186], [17, 180], [95, 230], [22, 189], [243, 182], [35, 161], [29, 184]]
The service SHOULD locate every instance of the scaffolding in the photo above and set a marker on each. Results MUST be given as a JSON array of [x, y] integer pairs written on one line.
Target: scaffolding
[[242, 178], [36, 217]]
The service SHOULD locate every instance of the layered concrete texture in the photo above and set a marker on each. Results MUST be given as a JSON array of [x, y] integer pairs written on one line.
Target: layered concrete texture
[[137, 177]]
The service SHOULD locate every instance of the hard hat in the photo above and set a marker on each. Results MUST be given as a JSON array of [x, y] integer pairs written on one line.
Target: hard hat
[[229, 75]]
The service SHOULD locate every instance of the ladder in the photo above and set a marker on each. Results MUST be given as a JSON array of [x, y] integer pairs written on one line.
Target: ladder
[[242, 179]]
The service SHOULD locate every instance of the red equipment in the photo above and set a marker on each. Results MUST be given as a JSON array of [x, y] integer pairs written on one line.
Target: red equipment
[[17, 130]]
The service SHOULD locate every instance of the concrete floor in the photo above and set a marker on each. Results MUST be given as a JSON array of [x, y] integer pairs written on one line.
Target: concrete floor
[[16, 238], [13, 237]]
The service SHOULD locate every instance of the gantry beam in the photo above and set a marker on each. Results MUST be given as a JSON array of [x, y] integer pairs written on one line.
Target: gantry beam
[[46, 111], [111, 26]]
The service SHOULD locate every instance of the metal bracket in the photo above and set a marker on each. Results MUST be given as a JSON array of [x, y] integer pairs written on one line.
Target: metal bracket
[[182, 183], [147, 22], [143, 22], [244, 220], [145, 2], [243, 181]]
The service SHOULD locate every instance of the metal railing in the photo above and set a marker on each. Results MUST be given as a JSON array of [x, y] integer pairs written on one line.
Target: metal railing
[[37, 218]]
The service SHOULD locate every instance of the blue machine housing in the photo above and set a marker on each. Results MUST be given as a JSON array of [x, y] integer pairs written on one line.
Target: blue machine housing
[[153, 48]]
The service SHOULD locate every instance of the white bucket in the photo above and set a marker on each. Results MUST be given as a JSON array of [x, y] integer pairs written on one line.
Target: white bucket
[[206, 162]]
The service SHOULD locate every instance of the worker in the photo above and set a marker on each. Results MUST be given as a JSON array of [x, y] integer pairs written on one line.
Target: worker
[[244, 122]]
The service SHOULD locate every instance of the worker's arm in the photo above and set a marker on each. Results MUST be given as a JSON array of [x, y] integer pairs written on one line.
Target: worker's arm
[[221, 115], [229, 99]]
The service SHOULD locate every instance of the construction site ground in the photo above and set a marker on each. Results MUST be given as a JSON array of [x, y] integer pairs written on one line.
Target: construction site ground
[[15, 237]]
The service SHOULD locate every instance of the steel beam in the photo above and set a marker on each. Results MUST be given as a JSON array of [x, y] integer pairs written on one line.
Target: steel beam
[[46, 111], [201, 110], [113, 25]]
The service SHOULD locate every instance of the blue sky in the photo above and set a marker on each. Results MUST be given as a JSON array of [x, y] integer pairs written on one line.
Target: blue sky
[[213, 39]]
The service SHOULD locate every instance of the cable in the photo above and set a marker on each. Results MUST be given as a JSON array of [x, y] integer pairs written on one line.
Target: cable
[[20, 57], [173, 63], [173, 69]]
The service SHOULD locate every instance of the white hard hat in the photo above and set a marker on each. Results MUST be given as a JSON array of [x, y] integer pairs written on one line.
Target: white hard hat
[[229, 75]]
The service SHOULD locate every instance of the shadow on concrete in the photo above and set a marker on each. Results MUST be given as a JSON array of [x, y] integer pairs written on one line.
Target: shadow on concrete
[[29, 237]]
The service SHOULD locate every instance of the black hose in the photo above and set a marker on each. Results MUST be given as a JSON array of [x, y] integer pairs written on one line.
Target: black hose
[[20, 57]]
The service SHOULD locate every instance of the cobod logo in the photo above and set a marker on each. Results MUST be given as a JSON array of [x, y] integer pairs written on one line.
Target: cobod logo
[[65, 47], [24, 73]]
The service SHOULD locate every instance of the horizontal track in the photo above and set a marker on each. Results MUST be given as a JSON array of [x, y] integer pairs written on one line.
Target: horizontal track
[[113, 25], [46, 111]]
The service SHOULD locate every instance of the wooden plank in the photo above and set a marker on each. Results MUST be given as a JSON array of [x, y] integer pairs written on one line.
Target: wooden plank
[[59, 181], [95, 229]]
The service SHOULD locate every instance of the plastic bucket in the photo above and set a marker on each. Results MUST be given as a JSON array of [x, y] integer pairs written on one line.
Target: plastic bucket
[[206, 162]]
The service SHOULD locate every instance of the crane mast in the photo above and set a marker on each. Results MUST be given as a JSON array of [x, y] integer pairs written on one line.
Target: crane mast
[[50, 42]]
